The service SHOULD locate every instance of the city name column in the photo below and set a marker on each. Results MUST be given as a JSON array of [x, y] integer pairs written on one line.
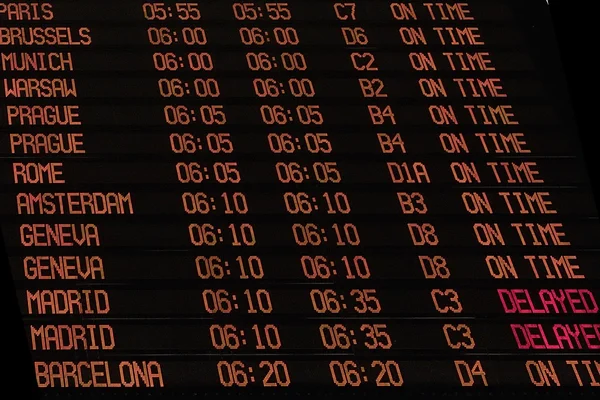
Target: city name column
[[57, 241]]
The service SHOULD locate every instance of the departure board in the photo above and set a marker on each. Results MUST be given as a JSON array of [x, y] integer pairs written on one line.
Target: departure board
[[231, 197]]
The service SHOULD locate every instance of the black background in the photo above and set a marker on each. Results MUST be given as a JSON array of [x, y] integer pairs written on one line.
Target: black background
[[573, 24]]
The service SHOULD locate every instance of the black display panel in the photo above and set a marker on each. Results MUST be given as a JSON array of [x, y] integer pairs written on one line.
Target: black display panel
[[294, 198]]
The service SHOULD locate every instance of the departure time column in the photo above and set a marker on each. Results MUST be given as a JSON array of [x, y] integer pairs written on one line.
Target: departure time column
[[375, 334]]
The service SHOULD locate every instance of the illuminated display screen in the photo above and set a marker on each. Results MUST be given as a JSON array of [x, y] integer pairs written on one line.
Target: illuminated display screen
[[293, 196]]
